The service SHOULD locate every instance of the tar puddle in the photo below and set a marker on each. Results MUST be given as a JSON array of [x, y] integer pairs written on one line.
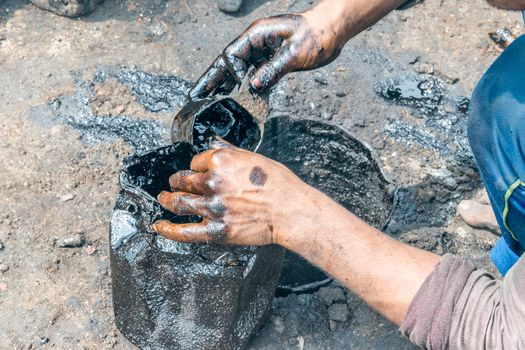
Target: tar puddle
[[444, 129], [155, 93]]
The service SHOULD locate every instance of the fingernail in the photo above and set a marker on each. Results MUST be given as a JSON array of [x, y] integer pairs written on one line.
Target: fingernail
[[255, 85], [160, 195], [155, 226]]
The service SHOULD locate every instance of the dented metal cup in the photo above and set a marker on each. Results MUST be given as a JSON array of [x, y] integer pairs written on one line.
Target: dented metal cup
[[238, 119]]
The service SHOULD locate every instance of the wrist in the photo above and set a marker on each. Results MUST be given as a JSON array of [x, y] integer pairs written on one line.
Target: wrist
[[329, 17], [347, 18], [302, 217]]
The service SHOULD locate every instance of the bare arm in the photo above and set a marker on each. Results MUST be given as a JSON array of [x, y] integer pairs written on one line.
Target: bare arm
[[382, 271]]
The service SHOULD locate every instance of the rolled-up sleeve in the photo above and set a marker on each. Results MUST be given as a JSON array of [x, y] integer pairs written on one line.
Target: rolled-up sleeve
[[460, 307]]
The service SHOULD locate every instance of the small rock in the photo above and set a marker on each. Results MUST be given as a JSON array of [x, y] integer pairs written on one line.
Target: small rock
[[229, 5], [66, 197], [91, 249], [74, 241], [300, 342], [43, 340], [414, 60], [326, 116], [4, 268], [339, 312], [340, 93], [450, 183], [424, 68], [331, 295], [320, 80], [2, 246], [443, 176], [278, 324]]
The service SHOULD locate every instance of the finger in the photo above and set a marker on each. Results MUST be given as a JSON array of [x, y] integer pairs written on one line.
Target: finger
[[184, 233], [210, 83], [201, 163], [191, 182], [227, 87], [270, 72], [182, 203], [260, 40]]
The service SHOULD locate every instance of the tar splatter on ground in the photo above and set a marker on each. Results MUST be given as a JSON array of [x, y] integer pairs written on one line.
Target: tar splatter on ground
[[59, 181]]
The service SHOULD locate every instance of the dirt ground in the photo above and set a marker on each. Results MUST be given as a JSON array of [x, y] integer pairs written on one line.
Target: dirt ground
[[57, 183]]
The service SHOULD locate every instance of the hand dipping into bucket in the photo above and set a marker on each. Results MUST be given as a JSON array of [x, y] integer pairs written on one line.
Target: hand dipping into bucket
[[239, 195]]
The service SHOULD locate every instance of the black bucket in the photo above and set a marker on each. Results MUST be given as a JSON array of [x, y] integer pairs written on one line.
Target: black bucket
[[330, 159], [168, 295]]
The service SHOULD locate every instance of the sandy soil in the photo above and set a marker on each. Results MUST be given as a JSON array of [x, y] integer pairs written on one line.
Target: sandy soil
[[54, 184]]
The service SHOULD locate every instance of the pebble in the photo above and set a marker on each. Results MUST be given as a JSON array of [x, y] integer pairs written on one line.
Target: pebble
[[229, 5], [43, 340], [2, 246], [74, 241], [4, 268], [445, 177], [278, 324], [91, 249], [320, 80], [333, 325], [339, 312], [326, 116], [331, 295], [66, 197], [340, 93]]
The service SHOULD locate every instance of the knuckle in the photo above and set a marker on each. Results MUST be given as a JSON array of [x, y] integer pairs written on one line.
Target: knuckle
[[217, 157], [174, 179], [212, 183], [216, 207], [177, 201], [260, 22], [218, 230], [230, 52]]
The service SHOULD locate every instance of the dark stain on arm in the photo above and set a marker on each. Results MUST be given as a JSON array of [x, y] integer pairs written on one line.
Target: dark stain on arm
[[258, 177]]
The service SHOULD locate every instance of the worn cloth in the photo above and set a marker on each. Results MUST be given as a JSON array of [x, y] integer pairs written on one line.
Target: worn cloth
[[459, 307], [496, 132]]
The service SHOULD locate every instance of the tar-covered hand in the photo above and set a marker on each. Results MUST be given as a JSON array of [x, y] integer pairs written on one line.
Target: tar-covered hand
[[275, 46], [243, 198]]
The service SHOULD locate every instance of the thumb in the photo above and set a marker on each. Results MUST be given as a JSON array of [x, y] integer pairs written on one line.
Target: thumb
[[270, 72]]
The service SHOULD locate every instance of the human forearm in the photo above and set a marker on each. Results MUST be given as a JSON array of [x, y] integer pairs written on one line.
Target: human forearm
[[381, 270], [349, 18]]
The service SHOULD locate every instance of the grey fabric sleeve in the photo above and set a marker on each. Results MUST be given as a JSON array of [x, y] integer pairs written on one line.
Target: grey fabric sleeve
[[429, 317], [459, 307]]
